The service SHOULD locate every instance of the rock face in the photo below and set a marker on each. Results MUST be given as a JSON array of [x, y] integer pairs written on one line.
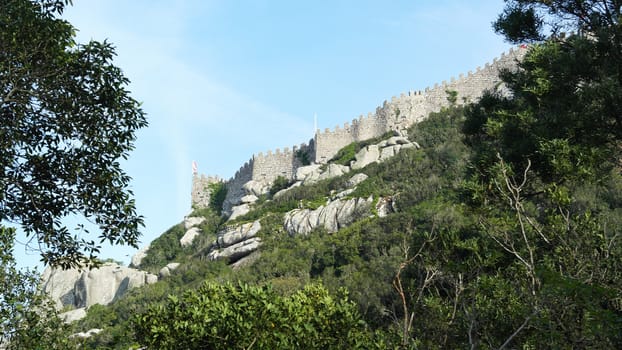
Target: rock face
[[137, 258], [335, 215], [188, 237], [239, 210], [166, 270], [381, 151], [193, 221], [235, 243], [96, 286], [235, 252], [192, 231]]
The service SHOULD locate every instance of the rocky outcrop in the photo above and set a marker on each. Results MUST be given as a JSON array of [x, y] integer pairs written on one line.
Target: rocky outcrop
[[331, 171], [235, 252], [166, 270], [73, 315], [381, 151], [235, 243], [239, 210], [193, 221], [83, 288], [333, 216], [137, 258], [191, 224], [356, 179], [385, 206], [188, 237]]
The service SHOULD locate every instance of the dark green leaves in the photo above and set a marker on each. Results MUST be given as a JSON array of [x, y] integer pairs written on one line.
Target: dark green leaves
[[66, 119]]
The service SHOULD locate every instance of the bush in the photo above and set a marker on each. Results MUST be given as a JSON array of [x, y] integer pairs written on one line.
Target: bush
[[240, 317]]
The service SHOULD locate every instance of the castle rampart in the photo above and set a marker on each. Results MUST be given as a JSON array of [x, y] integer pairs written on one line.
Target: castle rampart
[[201, 194], [397, 114]]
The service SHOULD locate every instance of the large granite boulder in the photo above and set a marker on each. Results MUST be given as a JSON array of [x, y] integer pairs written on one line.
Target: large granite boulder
[[83, 288], [366, 156], [137, 258], [166, 270], [335, 215], [193, 221], [188, 237], [237, 234], [235, 243], [235, 252], [73, 315], [239, 210], [304, 171]]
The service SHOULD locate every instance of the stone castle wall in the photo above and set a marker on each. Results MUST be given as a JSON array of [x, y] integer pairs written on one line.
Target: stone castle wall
[[397, 114], [234, 185], [200, 189], [401, 112]]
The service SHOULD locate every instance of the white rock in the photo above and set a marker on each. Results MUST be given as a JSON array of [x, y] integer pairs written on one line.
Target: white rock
[[166, 270], [411, 145], [73, 315], [238, 234], [397, 140], [332, 217], [59, 285], [387, 152], [95, 286], [249, 198], [366, 156], [343, 193], [256, 188], [151, 279], [193, 221], [235, 252], [333, 170], [283, 191], [247, 260], [304, 171], [139, 256], [239, 210], [356, 179], [188, 237], [107, 283]]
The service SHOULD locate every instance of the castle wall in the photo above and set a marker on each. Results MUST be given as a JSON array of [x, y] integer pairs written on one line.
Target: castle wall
[[403, 111], [266, 168], [200, 190], [397, 114], [234, 185]]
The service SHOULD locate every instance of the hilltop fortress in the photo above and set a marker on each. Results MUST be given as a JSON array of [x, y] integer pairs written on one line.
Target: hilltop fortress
[[395, 115]]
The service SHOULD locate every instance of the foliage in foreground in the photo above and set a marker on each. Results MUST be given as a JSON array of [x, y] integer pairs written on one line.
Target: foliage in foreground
[[224, 316], [28, 319], [66, 119]]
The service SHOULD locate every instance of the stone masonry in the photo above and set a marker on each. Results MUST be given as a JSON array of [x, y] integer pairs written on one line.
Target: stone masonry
[[397, 114]]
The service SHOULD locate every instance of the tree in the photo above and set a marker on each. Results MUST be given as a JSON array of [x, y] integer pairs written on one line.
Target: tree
[[28, 319], [66, 118], [546, 178]]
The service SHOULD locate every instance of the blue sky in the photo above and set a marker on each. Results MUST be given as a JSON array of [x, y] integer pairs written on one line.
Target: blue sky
[[222, 80]]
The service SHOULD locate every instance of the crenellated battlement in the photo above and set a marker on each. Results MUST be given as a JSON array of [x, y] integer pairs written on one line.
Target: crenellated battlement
[[398, 113]]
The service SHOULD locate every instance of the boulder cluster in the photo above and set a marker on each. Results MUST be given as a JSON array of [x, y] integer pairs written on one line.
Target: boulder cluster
[[78, 289]]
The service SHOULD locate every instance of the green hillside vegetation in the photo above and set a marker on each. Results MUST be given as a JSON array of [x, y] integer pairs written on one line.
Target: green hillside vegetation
[[460, 262]]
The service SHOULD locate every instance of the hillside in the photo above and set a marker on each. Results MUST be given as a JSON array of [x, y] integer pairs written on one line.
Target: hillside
[[487, 222], [427, 259]]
